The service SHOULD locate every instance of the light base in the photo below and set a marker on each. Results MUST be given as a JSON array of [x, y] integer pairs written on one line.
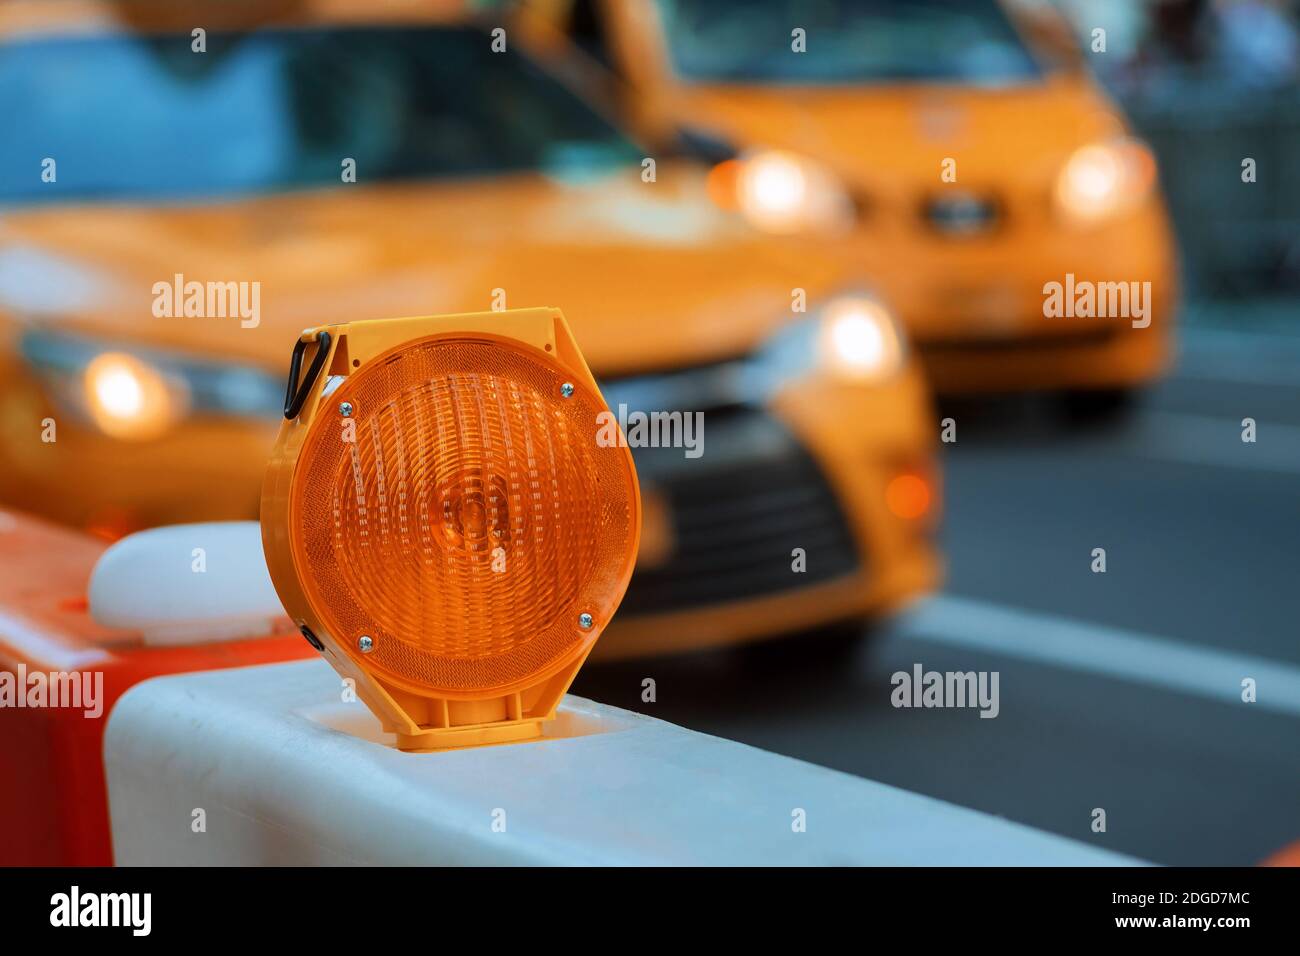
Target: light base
[[435, 739]]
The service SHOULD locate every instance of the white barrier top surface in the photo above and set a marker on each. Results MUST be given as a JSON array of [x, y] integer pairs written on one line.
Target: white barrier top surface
[[285, 773]]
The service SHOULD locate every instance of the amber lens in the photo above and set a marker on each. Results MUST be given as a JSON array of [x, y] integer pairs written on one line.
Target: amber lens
[[908, 496], [463, 516]]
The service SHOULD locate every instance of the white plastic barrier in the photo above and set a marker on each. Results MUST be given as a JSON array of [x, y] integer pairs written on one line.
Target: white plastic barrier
[[187, 584], [279, 770]]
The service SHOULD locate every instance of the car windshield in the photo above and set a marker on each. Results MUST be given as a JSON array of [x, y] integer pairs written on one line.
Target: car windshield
[[847, 41], [144, 117]]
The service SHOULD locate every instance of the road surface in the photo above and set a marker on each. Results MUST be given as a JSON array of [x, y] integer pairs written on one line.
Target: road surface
[[1119, 691]]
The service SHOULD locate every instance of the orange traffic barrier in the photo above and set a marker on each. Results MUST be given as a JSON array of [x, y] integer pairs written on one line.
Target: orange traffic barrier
[[1287, 856], [60, 675]]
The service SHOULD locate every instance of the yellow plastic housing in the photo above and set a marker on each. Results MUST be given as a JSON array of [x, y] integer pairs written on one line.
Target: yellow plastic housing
[[445, 517]]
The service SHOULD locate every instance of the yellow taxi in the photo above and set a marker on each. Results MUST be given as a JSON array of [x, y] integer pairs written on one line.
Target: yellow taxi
[[178, 203], [995, 194]]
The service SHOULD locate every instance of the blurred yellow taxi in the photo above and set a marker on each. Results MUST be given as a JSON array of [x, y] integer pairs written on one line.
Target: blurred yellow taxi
[[994, 193], [176, 205]]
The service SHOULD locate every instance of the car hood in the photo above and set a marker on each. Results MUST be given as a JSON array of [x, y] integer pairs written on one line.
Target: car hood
[[882, 136], [650, 275]]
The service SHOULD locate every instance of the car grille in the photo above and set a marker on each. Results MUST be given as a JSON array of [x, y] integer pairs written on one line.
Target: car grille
[[737, 512], [960, 214]]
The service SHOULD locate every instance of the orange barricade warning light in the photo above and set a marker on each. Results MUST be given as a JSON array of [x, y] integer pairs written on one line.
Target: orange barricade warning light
[[441, 518]]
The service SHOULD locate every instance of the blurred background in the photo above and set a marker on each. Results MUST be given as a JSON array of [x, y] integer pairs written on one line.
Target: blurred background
[[772, 236], [1199, 80]]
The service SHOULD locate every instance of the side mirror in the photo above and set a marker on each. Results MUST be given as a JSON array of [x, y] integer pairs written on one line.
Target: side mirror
[[1049, 33], [702, 144]]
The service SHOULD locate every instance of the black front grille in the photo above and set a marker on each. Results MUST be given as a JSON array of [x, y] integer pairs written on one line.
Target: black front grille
[[737, 513], [961, 214]]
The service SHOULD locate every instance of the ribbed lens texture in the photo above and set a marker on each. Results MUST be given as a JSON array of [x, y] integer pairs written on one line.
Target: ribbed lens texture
[[465, 518]]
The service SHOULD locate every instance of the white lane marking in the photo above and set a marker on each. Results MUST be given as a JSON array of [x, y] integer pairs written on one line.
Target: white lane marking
[[1108, 651], [1238, 371], [1207, 440], [1249, 358]]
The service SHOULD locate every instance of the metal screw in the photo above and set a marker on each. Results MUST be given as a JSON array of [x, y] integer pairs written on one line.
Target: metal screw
[[567, 389], [585, 621], [345, 409], [366, 643]]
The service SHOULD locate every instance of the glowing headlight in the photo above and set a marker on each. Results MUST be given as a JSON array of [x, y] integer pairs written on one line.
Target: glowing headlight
[[858, 339], [774, 185], [116, 386], [140, 393], [129, 398], [1102, 180], [782, 192], [853, 338]]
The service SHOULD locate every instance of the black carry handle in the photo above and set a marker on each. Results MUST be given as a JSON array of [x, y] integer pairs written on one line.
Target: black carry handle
[[293, 402]]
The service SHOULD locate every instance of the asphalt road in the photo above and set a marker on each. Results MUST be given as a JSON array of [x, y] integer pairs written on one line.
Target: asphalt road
[[1119, 691]]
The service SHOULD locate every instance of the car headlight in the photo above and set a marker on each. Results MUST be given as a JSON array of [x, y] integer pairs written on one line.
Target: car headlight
[[782, 192], [858, 339], [130, 398], [1102, 180], [854, 338], [138, 394]]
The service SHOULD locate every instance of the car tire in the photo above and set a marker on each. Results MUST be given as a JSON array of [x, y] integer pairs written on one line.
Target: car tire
[[829, 647], [1108, 406]]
